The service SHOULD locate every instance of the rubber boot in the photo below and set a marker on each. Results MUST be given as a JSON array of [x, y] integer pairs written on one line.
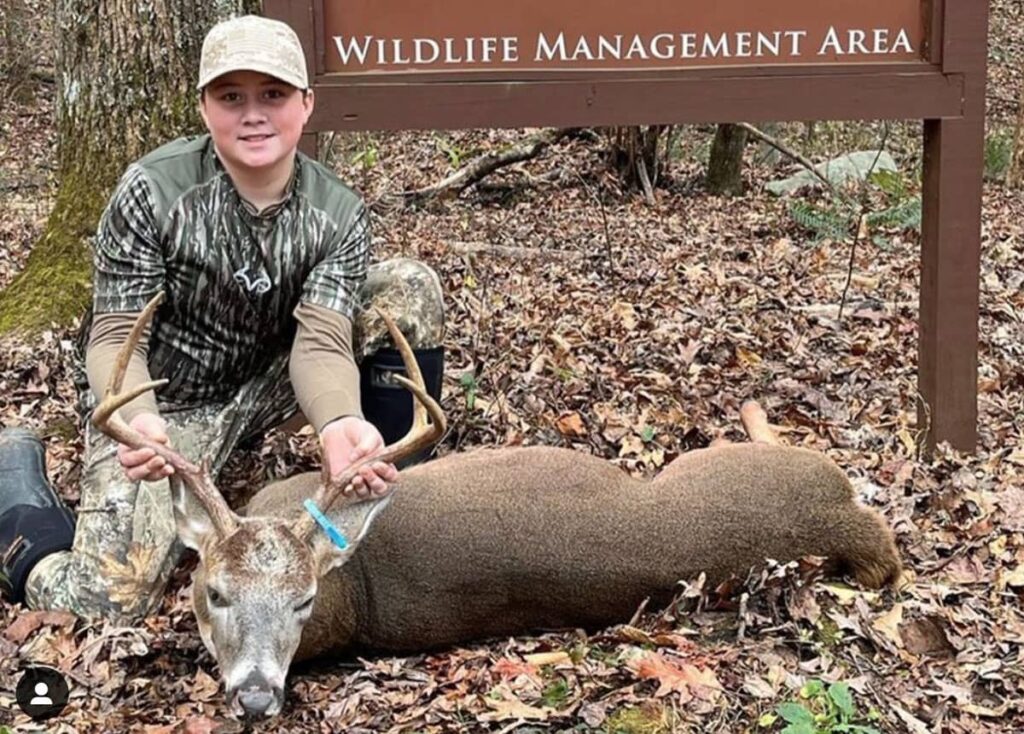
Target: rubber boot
[[388, 405], [34, 522]]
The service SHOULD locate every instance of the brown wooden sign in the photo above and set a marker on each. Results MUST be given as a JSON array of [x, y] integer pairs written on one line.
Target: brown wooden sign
[[417, 64], [397, 36]]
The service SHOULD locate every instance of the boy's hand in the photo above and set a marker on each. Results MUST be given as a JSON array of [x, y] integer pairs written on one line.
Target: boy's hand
[[348, 440], [144, 464]]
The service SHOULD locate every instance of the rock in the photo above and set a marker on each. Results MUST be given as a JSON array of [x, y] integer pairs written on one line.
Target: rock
[[839, 171]]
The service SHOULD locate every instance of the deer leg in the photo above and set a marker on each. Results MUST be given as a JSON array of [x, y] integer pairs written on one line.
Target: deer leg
[[755, 423]]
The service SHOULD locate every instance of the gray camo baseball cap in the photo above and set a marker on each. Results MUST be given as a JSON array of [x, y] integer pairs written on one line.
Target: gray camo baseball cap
[[252, 43]]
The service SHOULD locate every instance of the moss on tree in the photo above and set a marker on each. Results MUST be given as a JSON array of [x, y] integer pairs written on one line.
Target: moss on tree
[[55, 287], [126, 85]]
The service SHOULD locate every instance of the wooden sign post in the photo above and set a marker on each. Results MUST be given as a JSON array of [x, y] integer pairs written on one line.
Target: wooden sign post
[[399, 64]]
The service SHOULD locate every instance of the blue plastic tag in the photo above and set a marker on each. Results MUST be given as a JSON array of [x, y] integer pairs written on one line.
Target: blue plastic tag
[[323, 521]]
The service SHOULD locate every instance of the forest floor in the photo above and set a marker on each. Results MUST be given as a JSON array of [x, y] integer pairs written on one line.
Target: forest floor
[[580, 315]]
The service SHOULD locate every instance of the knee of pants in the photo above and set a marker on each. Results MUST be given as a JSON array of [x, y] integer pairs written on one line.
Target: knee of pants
[[410, 292]]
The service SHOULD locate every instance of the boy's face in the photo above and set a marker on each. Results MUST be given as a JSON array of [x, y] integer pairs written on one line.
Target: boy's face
[[255, 120]]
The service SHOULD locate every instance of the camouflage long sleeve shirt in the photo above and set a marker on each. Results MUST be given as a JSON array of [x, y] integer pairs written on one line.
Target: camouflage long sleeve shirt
[[232, 276]]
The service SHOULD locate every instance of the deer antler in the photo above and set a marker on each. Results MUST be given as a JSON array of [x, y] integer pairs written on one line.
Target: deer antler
[[106, 418], [420, 435]]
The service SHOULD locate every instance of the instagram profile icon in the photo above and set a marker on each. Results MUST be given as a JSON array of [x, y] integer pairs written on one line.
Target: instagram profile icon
[[42, 692]]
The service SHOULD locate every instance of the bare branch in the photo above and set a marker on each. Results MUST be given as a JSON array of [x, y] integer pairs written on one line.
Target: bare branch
[[486, 164]]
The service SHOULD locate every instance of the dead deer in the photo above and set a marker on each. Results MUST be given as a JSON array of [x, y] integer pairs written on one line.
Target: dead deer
[[489, 543]]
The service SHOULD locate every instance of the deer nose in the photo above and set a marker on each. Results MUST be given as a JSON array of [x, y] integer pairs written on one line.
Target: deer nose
[[257, 697], [255, 702]]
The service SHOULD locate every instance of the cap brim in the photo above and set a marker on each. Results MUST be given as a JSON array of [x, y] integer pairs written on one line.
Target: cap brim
[[267, 69]]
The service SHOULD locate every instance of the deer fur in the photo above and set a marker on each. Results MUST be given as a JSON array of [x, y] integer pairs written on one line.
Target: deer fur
[[502, 541], [498, 542]]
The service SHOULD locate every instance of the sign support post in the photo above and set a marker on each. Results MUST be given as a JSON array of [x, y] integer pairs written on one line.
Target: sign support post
[[951, 240]]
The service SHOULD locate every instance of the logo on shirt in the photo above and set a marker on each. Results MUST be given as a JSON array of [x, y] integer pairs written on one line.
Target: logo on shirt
[[259, 284]]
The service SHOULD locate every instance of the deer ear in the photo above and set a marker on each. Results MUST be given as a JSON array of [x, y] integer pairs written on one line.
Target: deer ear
[[195, 527], [349, 523]]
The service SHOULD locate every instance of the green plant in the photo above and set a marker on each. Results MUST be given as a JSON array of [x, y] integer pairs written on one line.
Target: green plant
[[556, 694], [896, 207], [829, 220], [469, 385], [998, 154], [637, 721], [367, 156], [821, 710], [455, 153]]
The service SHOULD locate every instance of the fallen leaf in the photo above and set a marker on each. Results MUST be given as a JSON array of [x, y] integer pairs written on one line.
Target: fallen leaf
[[889, 624], [686, 680], [508, 669], [29, 622], [747, 357], [200, 725], [632, 445], [593, 714], [204, 688], [914, 724], [626, 314], [758, 687], [513, 708], [1015, 577], [964, 570], [1011, 502], [571, 424], [926, 636], [846, 594]]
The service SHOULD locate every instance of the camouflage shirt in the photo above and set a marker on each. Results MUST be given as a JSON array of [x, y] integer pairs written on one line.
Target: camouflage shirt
[[232, 275]]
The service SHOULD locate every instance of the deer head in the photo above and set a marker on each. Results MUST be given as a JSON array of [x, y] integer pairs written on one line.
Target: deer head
[[257, 579]]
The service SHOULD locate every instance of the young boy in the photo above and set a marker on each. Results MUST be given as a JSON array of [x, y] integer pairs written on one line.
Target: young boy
[[262, 255]]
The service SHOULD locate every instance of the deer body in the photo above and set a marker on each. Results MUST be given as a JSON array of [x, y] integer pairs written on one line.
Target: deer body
[[493, 542], [503, 541]]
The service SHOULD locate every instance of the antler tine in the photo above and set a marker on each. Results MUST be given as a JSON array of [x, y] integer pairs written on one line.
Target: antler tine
[[419, 409], [421, 434], [107, 420]]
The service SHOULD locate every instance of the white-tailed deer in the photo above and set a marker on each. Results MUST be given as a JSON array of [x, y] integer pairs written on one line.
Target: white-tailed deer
[[491, 542]]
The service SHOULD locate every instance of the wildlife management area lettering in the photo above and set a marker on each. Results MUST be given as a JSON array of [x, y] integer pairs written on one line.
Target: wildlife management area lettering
[[758, 45], [388, 36]]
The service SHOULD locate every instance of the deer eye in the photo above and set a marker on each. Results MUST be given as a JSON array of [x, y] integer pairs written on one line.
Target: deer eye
[[304, 606], [216, 598]]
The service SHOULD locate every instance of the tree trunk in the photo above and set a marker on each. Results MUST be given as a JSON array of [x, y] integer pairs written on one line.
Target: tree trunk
[[636, 154], [16, 50], [725, 165], [126, 76]]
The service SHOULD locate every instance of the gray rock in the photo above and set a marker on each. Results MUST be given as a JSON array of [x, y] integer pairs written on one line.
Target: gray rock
[[839, 171]]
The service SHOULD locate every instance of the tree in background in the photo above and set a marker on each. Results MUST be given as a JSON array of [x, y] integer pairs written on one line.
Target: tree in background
[[15, 50], [638, 155], [126, 76], [725, 164]]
